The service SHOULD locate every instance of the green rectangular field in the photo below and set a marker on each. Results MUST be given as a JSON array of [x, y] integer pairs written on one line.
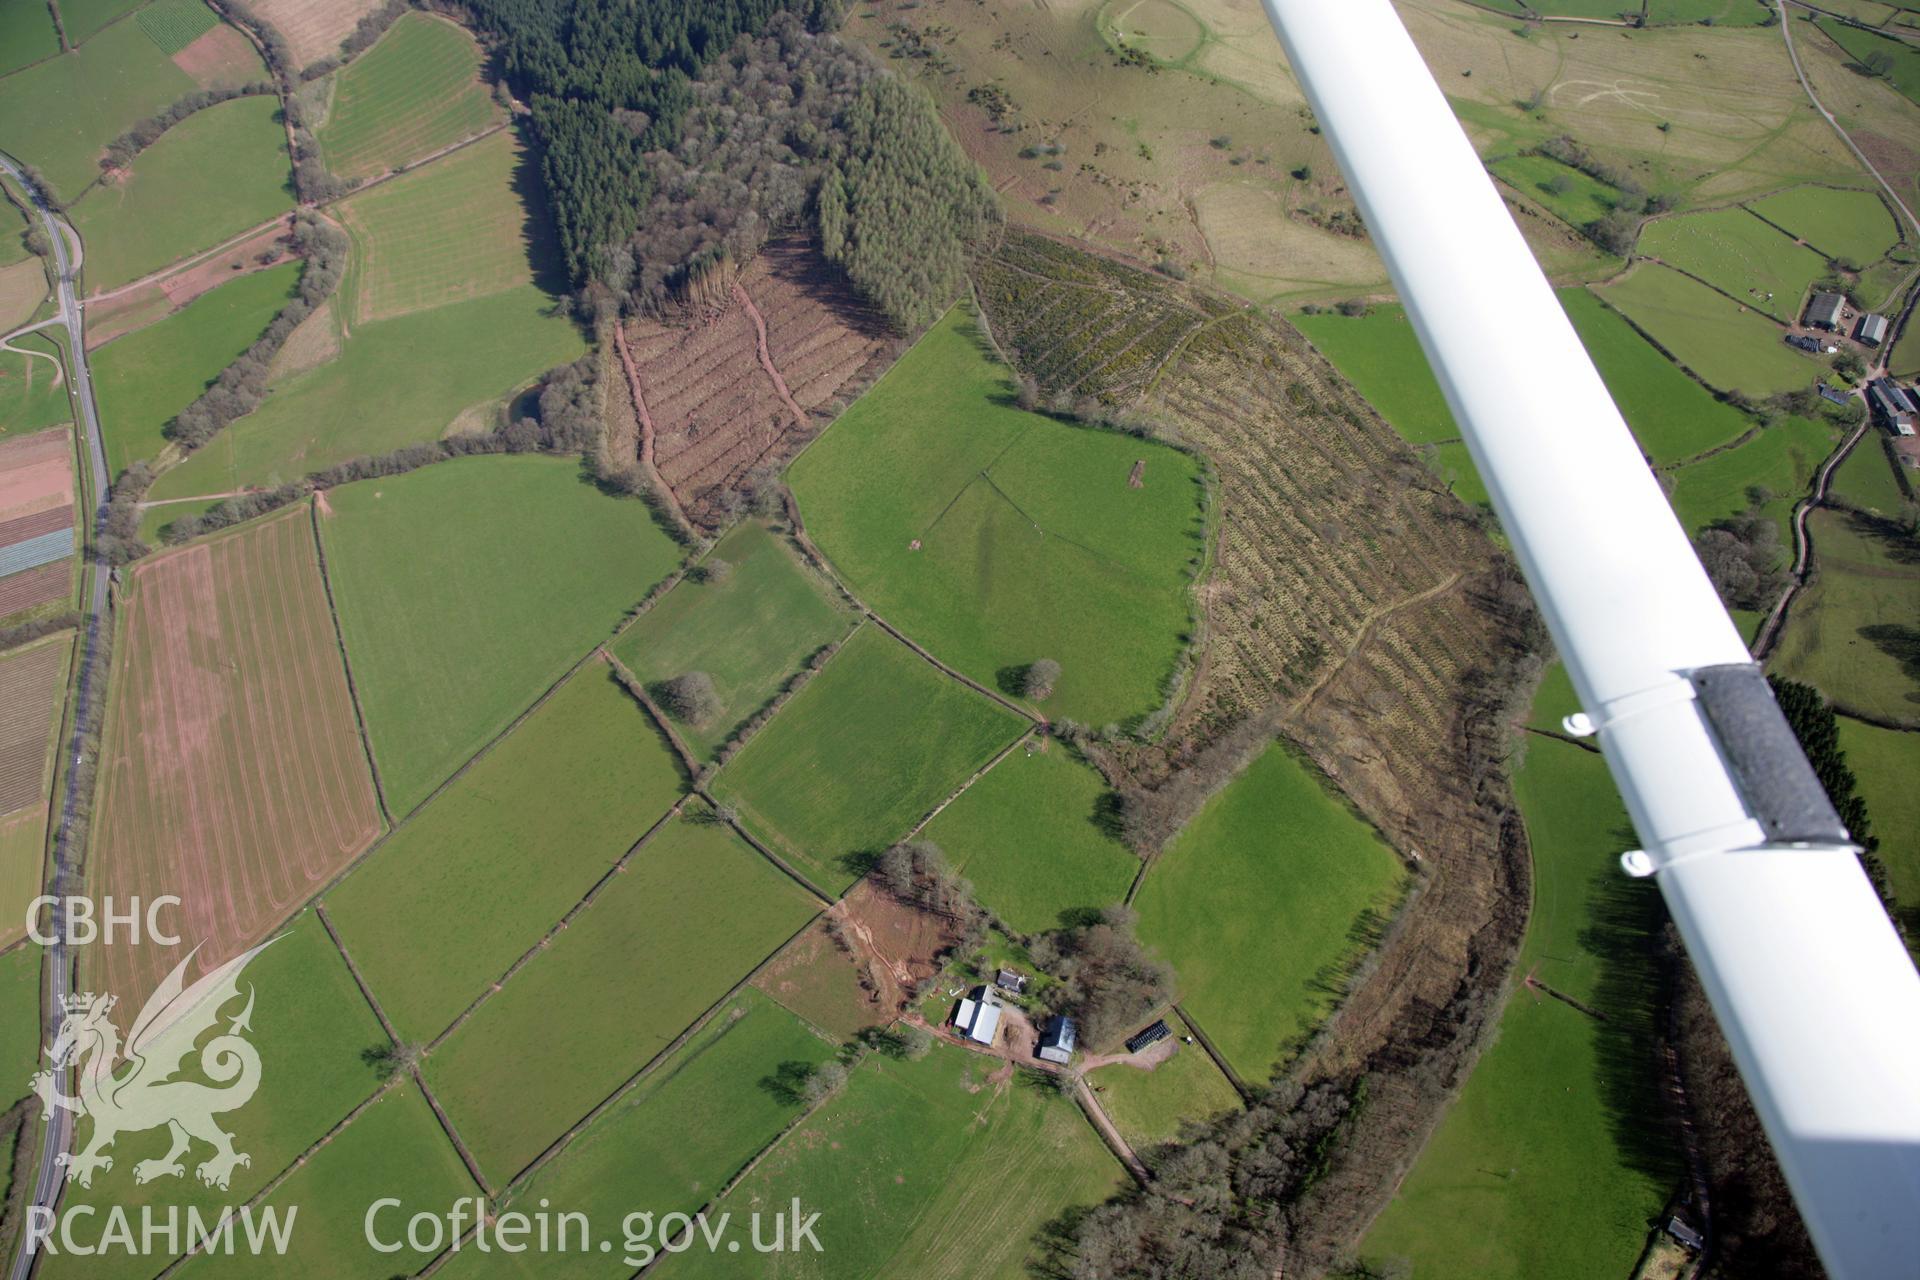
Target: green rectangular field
[[19, 1020], [1729, 346], [1904, 359], [83, 18], [210, 177], [417, 90], [671, 1142], [1852, 634], [1576, 198], [311, 1026], [688, 919], [394, 1149], [921, 1169], [1672, 416], [1868, 480], [459, 892], [1897, 60], [102, 89], [861, 754], [26, 36], [1739, 254], [1149, 1107], [144, 378], [1721, 13], [395, 382], [997, 537], [1837, 223], [750, 630], [1885, 762], [1780, 459], [468, 587], [1259, 904], [33, 389], [1033, 836]]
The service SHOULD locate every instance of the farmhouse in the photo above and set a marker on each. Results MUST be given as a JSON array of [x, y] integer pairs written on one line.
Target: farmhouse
[[1894, 407], [1058, 1038], [1011, 981], [1150, 1035], [1824, 311], [1872, 330], [978, 1016]]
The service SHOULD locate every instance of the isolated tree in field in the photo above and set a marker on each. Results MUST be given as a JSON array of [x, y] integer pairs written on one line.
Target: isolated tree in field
[[825, 1078], [1040, 679], [690, 698]]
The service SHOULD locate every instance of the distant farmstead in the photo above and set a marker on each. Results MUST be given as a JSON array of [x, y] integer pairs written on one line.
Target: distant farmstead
[[978, 1016], [1058, 1039], [1872, 330], [1824, 311]]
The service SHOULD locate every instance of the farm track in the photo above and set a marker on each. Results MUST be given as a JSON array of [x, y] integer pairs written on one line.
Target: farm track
[[1802, 570]]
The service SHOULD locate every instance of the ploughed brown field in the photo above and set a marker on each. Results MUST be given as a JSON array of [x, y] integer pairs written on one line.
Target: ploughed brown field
[[233, 773], [748, 384], [36, 473], [36, 586]]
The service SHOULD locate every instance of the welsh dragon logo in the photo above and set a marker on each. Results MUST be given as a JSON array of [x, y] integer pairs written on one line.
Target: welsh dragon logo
[[138, 1089]]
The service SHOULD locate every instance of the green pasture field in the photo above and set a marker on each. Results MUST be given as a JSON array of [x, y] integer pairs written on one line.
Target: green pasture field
[[83, 18], [26, 36], [19, 1021], [1904, 67], [1721, 13], [146, 377], [1149, 1107], [210, 177], [634, 970], [23, 832], [1855, 633], [13, 220], [448, 231], [1904, 359], [1586, 198], [1837, 223], [750, 632], [921, 1169], [1728, 346], [1560, 1121], [1583, 8], [175, 24], [155, 521], [29, 397], [1885, 762], [1867, 479], [1030, 837], [859, 755], [1672, 416], [101, 88], [1739, 254], [671, 1142], [507, 570], [311, 1025], [395, 382], [997, 537], [1261, 903], [1780, 459], [417, 90], [459, 892], [396, 1148], [1380, 354]]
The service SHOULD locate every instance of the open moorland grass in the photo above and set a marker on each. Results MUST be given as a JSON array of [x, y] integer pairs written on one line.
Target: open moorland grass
[[102, 88], [1030, 836], [1730, 346], [395, 382], [1837, 223], [26, 36], [861, 754], [1560, 1122], [1855, 633], [750, 629], [671, 1142], [1885, 763], [998, 537], [1780, 459], [417, 90], [634, 970], [1672, 416], [311, 1025], [210, 177], [1739, 254], [233, 772], [395, 1148], [1261, 903], [146, 377], [505, 569], [1902, 58], [464, 888], [452, 230], [33, 391], [1148, 1107], [33, 685], [921, 1169]]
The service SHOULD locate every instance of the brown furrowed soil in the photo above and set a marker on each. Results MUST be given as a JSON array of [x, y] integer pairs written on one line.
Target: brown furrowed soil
[[222, 56], [36, 473], [717, 410], [1354, 608], [233, 773], [29, 688], [858, 964], [314, 28], [35, 587]]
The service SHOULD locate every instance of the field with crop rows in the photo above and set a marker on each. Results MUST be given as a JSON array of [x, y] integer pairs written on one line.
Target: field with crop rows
[[175, 24], [233, 772], [314, 28], [417, 90]]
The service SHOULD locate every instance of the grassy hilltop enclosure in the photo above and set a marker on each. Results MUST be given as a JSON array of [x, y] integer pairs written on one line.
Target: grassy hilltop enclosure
[[998, 537], [462, 889], [416, 91], [508, 569], [859, 755]]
